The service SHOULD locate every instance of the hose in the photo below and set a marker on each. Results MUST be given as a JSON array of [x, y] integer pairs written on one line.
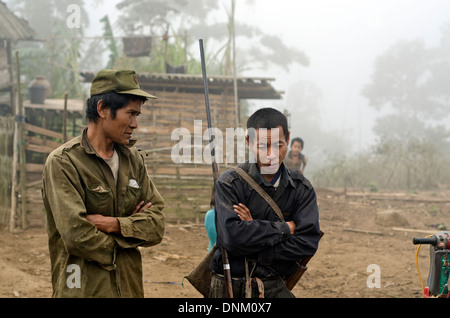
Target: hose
[[418, 270]]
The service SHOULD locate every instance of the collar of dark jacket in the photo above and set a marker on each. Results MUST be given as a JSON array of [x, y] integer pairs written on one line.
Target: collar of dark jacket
[[259, 178], [86, 145]]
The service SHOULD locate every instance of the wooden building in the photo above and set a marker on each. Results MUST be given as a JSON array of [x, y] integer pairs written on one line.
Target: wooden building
[[12, 30], [181, 102]]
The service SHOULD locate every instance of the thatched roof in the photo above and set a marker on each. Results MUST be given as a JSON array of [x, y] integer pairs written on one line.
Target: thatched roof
[[12, 27]]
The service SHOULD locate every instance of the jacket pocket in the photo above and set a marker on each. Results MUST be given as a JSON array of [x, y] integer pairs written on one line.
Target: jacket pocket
[[99, 200], [132, 196]]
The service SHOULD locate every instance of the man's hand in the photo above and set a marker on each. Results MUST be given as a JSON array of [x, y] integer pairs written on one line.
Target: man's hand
[[292, 226], [245, 215], [106, 224], [109, 224], [243, 212], [141, 207]]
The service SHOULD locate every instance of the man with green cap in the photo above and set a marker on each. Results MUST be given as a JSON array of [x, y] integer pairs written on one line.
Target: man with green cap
[[99, 201]]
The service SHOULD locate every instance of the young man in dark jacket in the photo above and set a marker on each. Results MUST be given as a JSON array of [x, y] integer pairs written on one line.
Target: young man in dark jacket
[[259, 245]]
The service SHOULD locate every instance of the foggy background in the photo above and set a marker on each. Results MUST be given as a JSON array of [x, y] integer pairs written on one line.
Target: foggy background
[[349, 110], [342, 40]]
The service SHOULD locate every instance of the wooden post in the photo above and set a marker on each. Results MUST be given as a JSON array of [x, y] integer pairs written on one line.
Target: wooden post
[[178, 187], [185, 50], [65, 118], [235, 86], [23, 160], [154, 157], [15, 161], [166, 45], [12, 215]]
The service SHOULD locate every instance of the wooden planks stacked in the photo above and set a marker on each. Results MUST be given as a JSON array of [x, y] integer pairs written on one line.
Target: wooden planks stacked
[[185, 186]]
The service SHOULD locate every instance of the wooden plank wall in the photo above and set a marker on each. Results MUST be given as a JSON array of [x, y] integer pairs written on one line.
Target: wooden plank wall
[[186, 187]]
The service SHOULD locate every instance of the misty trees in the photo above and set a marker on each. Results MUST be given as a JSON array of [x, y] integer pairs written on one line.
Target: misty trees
[[43, 15], [56, 53], [202, 19], [409, 86], [409, 80]]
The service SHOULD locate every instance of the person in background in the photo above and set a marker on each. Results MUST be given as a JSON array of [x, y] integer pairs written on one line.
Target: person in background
[[295, 159], [210, 223]]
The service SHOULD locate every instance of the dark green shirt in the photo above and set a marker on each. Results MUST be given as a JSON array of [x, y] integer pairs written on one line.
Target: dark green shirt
[[76, 182]]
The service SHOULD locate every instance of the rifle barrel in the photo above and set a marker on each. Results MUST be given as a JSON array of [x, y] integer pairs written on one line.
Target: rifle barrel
[[208, 112], [225, 261]]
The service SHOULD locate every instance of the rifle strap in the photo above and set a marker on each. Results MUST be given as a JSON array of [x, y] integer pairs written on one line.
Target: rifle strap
[[260, 190]]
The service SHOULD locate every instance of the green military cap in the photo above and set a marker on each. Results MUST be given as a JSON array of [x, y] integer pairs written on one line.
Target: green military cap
[[119, 81]]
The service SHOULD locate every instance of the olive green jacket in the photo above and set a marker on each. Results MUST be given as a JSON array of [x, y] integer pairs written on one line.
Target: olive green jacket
[[86, 262]]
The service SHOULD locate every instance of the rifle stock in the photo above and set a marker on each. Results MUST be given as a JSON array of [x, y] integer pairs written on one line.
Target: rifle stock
[[292, 280]]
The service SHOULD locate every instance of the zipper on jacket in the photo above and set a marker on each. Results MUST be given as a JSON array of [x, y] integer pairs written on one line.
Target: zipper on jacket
[[116, 273]]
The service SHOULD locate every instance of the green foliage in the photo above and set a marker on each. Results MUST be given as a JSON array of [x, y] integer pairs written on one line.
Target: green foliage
[[194, 17], [172, 51], [433, 210], [373, 187], [108, 34], [57, 56]]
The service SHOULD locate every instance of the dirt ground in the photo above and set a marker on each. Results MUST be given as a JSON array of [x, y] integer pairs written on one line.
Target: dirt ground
[[360, 229]]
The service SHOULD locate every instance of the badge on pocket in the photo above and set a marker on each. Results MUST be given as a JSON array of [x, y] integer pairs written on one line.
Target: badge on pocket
[[133, 183]]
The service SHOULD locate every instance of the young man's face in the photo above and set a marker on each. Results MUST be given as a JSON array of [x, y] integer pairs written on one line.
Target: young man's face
[[269, 147], [120, 128], [296, 148]]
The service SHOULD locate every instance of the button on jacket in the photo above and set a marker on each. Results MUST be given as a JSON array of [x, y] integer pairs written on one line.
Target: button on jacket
[[266, 239], [76, 182]]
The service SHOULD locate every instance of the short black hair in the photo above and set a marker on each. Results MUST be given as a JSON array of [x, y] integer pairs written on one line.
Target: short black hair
[[297, 139], [267, 118], [111, 100]]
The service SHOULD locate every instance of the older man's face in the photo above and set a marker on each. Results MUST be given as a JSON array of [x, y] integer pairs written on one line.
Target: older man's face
[[269, 147], [120, 129]]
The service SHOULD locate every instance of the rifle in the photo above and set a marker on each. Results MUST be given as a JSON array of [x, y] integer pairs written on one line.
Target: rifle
[[225, 261]]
